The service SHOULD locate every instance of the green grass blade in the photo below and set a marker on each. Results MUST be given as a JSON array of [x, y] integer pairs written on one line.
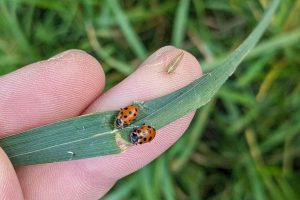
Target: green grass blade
[[180, 23], [254, 180], [101, 52], [127, 30], [280, 41], [271, 45], [93, 135], [200, 121], [146, 177], [66, 140]]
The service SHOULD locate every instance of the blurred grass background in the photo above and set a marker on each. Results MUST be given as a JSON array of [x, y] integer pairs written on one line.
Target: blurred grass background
[[244, 144]]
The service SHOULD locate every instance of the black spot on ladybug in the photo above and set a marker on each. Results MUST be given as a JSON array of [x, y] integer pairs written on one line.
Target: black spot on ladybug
[[136, 109], [139, 131], [135, 115], [121, 113], [149, 126], [126, 108], [130, 113], [145, 139], [125, 116], [150, 138], [140, 142]]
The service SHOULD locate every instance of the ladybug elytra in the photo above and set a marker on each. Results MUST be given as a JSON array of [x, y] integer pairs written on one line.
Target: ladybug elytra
[[143, 134], [126, 116]]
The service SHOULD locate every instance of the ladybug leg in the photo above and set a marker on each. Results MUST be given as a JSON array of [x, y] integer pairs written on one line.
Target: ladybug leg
[[140, 104], [126, 124]]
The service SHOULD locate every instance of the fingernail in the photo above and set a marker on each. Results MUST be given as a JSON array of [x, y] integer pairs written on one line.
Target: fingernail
[[160, 52], [63, 54]]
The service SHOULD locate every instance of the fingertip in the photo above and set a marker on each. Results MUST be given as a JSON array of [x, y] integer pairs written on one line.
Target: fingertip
[[164, 56], [151, 80], [195, 67], [84, 62], [48, 91]]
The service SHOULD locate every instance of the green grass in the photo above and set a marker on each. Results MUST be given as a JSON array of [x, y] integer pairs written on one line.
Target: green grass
[[245, 142]]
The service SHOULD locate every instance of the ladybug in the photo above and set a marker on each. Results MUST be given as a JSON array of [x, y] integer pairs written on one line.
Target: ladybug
[[126, 116], [143, 134]]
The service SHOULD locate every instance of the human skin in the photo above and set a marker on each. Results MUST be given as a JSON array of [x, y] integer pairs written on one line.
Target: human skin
[[71, 84]]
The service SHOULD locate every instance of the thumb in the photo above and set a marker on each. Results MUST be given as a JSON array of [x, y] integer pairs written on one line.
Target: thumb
[[9, 184]]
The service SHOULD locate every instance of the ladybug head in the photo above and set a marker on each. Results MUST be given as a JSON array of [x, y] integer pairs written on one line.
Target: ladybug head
[[118, 123], [134, 138]]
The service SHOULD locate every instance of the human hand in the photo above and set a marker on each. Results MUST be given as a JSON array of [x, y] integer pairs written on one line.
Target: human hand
[[68, 85]]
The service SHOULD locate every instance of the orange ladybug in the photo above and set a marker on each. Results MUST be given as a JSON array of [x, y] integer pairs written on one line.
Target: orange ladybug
[[143, 134], [126, 116]]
